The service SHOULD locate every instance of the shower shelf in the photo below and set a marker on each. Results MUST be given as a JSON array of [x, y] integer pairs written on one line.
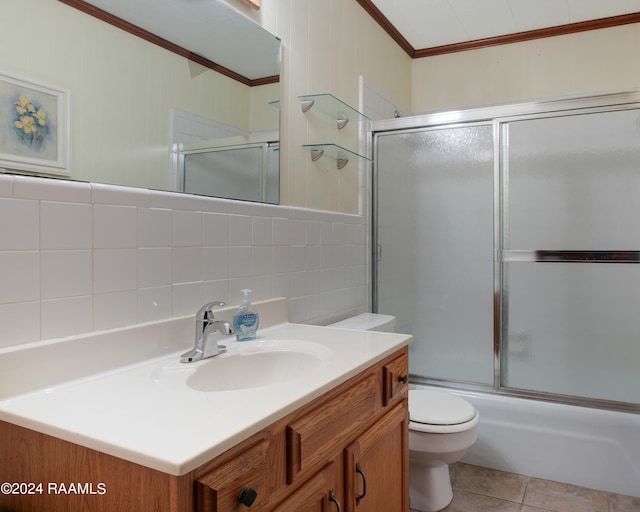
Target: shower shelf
[[338, 153], [333, 107]]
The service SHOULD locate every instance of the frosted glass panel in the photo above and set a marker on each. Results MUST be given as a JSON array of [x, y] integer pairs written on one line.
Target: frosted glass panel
[[573, 329], [435, 228], [574, 182]]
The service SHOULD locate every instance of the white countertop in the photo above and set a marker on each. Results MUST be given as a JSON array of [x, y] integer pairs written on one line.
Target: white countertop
[[145, 413]]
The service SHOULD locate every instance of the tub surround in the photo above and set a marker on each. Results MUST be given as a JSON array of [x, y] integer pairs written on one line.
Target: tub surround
[[124, 399]]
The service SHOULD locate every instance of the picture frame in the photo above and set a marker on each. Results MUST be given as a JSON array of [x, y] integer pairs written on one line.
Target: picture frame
[[34, 127]]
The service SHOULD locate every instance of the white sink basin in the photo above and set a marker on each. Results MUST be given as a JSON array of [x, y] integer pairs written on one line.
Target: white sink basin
[[248, 364], [258, 363]]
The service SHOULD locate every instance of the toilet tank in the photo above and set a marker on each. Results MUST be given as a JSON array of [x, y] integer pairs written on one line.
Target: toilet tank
[[368, 322]]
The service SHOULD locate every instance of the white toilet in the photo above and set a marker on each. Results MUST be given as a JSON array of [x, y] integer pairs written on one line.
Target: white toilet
[[442, 427]]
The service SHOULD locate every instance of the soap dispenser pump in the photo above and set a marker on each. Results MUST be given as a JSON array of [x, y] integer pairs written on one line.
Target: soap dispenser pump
[[245, 321]]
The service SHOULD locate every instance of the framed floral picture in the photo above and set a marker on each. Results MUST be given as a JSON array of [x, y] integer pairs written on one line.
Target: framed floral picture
[[34, 127]]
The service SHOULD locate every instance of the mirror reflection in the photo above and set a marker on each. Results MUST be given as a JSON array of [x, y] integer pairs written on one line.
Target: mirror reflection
[[244, 168], [136, 103]]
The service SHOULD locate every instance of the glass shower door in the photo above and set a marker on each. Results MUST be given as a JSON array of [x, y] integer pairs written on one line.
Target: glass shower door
[[571, 230], [435, 269]]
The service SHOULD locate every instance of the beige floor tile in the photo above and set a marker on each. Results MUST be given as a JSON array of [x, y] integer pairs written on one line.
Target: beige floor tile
[[464, 501], [620, 503], [489, 482], [559, 497]]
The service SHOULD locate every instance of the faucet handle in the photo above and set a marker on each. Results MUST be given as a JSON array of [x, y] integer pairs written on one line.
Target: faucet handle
[[206, 311]]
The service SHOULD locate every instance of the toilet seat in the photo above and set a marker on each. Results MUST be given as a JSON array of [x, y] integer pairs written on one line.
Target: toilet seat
[[437, 412]]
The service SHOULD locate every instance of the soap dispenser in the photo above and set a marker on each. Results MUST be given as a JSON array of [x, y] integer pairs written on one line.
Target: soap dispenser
[[245, 321]]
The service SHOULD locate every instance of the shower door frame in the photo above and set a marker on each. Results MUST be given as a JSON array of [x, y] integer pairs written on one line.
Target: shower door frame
[[500, 116]]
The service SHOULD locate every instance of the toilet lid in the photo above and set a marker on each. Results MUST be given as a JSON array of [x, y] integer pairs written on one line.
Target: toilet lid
[[436, 408]]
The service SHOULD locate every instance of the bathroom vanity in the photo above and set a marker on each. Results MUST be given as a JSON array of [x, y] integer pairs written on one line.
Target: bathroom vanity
[[333, 439]]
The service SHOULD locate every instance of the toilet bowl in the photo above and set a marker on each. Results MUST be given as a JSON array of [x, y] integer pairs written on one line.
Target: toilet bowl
[[442, 427]]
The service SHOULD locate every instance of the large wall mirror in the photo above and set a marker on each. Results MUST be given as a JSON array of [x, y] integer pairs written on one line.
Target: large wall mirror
[[178, 95]]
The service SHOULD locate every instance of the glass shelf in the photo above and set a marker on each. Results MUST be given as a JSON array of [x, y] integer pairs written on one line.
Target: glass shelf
[[333, 107], [275, 103], [338, 153]]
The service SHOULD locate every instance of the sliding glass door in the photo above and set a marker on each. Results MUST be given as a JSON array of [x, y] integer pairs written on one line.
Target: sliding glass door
[[571, 230], [508, 243], [435, 248]]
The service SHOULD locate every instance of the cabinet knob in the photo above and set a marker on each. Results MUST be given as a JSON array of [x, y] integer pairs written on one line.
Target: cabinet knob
[[403, 378], [247, 496]]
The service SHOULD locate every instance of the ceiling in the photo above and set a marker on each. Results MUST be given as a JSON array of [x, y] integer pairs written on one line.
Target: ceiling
[[433, 23]]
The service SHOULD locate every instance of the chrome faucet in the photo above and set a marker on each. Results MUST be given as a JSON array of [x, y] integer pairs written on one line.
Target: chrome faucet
[[206, 327]]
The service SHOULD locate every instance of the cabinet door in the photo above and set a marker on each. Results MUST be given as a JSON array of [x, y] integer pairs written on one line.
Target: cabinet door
[[318, 494], [377, 466]]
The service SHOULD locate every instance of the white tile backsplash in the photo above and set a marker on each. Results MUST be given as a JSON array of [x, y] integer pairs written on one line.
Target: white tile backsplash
[[78, 257], [155, 227], [187, 229], [65, 225], [215, 229], [187, 264], [20, 323], [155, 303], [66, 316], [240, 230], [20, 276], [155, 266], [115, 227], [281, 231], [27, 187], [19, 224], [115, 270], [240, 261], [116, 309], [262, 229], [65, 274]]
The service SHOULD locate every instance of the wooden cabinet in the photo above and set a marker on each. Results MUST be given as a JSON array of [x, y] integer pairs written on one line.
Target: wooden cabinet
[[345, 451]]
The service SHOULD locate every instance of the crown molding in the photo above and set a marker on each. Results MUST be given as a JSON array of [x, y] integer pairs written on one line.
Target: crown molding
[[519, 37]]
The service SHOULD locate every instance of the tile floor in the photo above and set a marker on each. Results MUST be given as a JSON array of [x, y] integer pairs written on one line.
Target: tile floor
[[477, 489]]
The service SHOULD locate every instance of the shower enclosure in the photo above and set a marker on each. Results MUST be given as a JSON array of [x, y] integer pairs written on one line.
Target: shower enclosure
[[507, 240]]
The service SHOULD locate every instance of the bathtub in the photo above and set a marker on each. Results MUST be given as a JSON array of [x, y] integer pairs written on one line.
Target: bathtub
[[576, 445]]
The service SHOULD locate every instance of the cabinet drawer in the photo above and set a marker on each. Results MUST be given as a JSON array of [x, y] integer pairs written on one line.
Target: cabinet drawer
[[395, 378], [220, 490], [315, 437]]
